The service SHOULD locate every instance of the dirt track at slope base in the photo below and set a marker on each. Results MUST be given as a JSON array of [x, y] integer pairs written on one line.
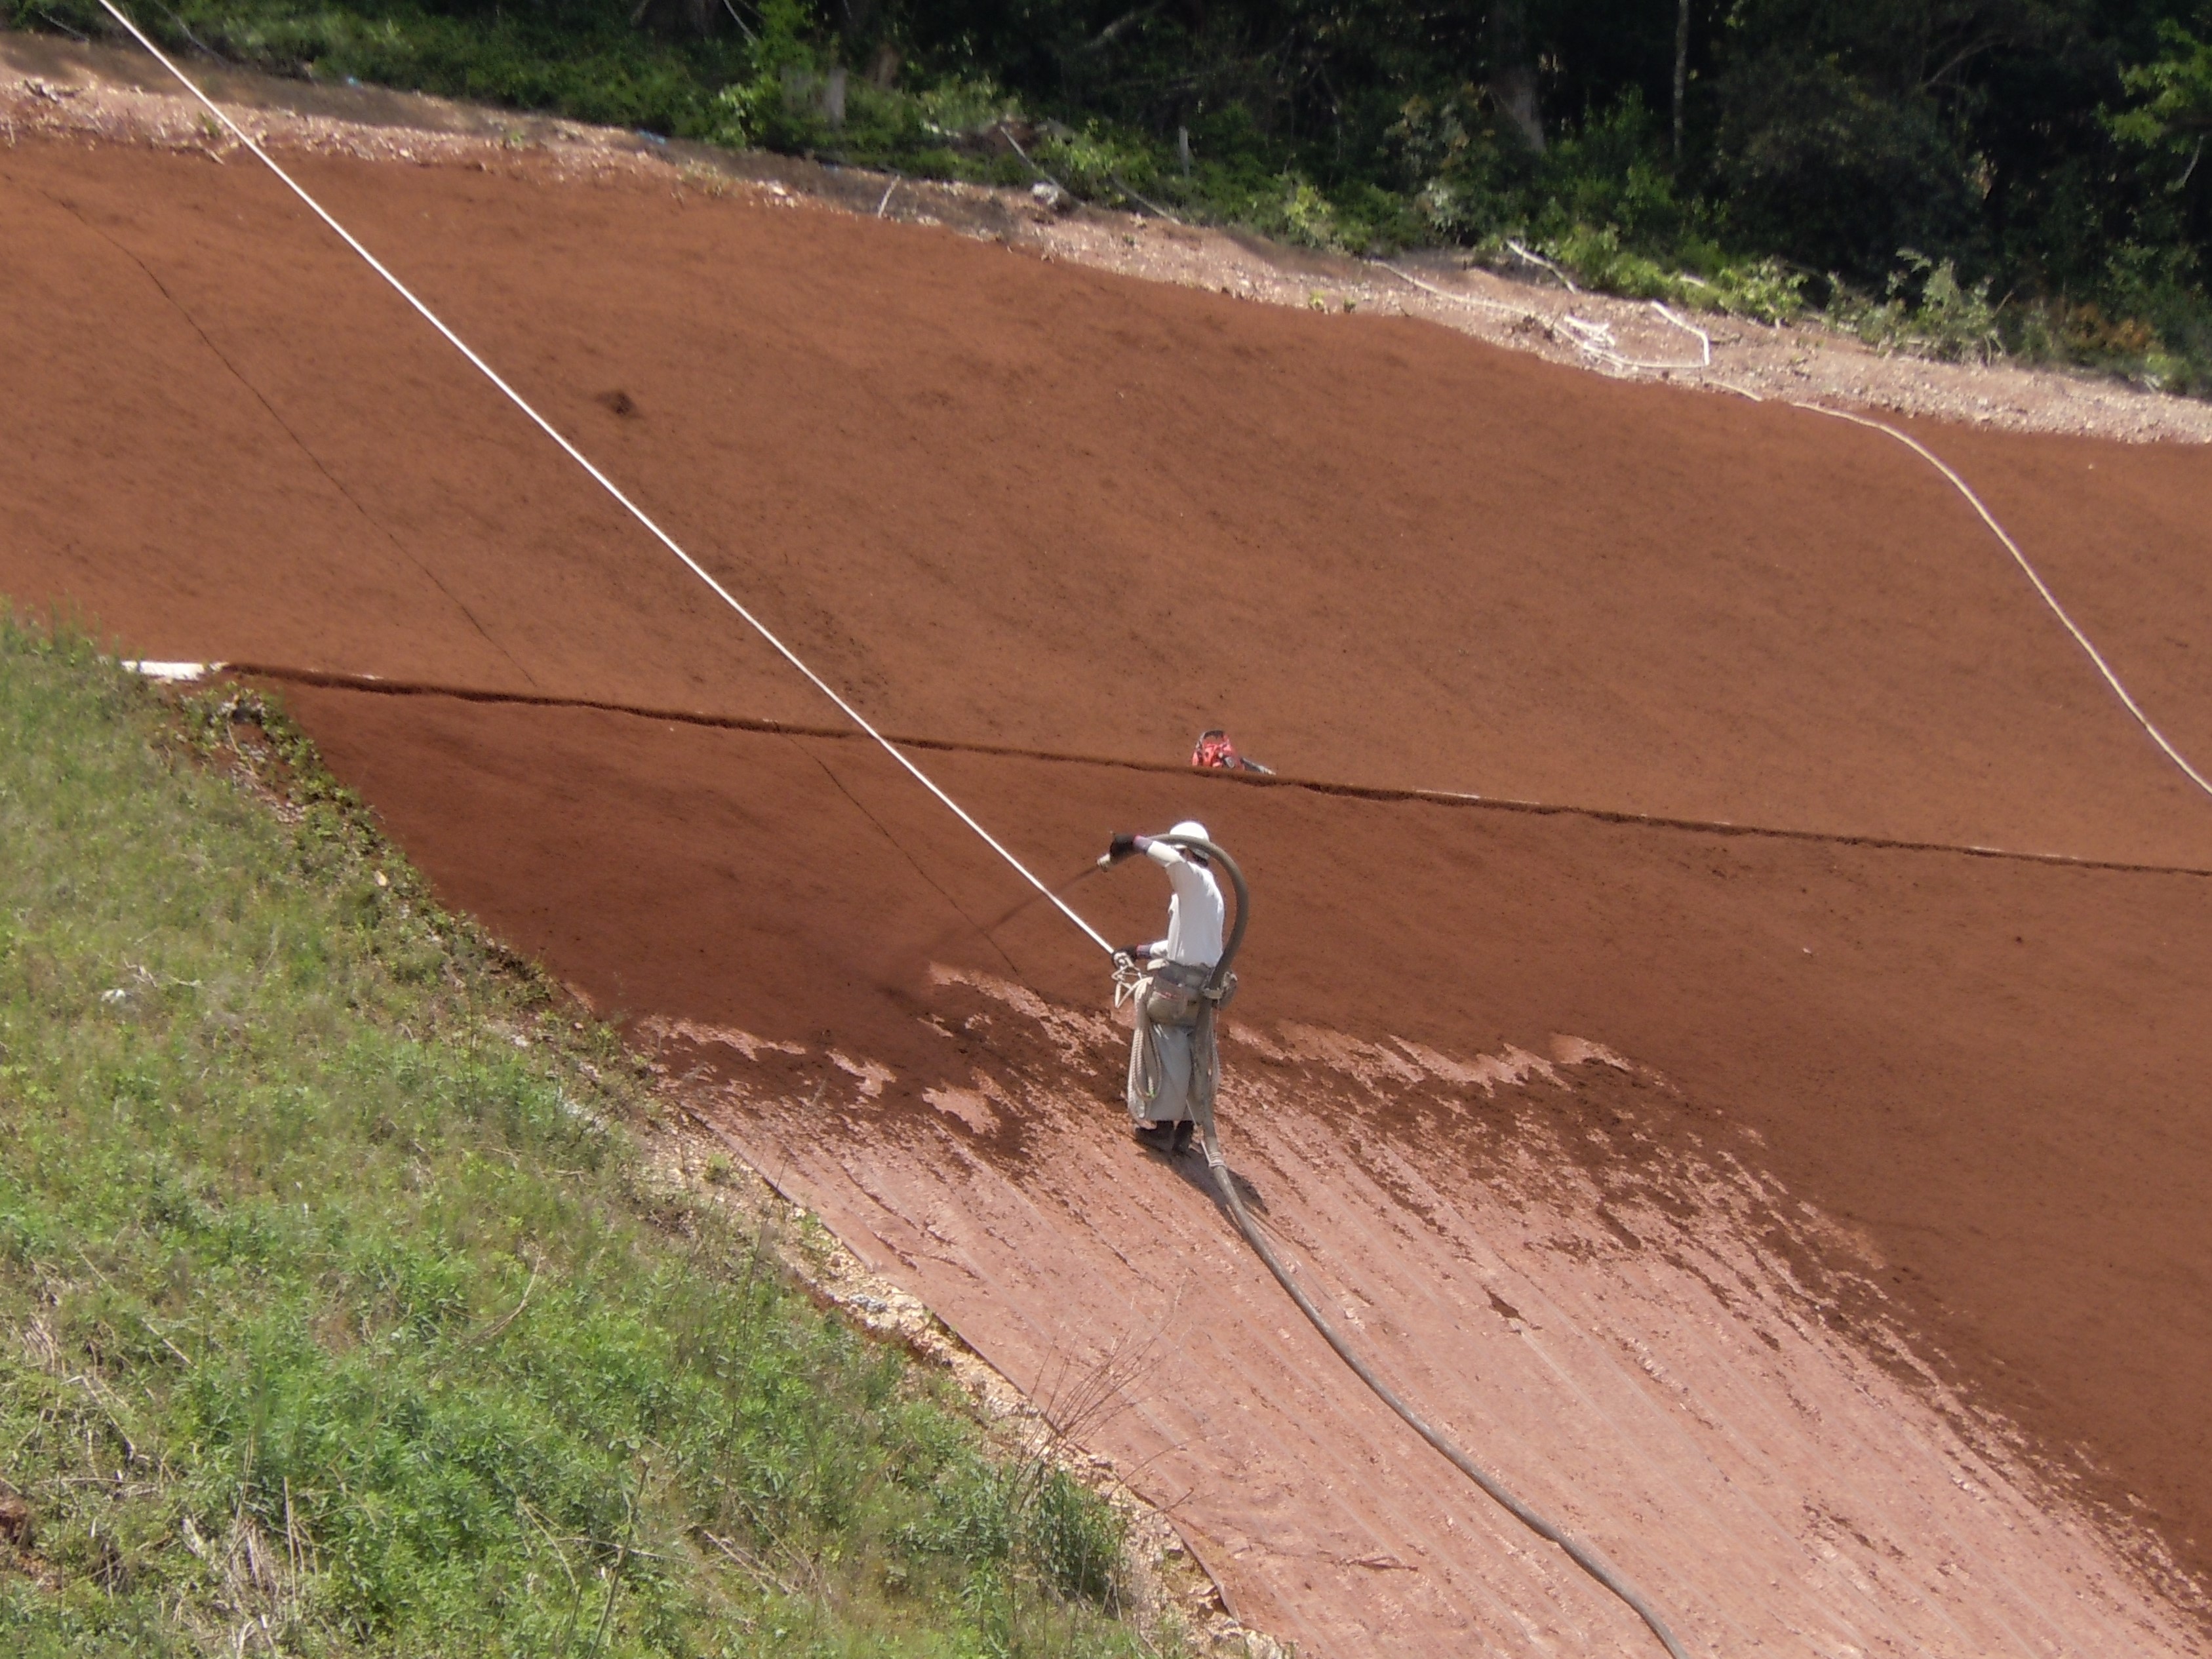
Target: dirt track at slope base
[[1007, 503]]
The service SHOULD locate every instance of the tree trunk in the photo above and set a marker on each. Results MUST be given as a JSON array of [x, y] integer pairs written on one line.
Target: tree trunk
[[1512, 75], [1681, 70], [856, 17]]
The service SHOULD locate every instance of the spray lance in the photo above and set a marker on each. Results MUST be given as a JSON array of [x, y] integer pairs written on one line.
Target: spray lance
[[1219, 986]]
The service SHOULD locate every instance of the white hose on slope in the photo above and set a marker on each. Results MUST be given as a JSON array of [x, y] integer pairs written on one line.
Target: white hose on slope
[[2021, 559], [1593, 338]]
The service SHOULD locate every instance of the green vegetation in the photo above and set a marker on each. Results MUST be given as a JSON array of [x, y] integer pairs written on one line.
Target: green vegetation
[[337, 1313], [1902, 165]]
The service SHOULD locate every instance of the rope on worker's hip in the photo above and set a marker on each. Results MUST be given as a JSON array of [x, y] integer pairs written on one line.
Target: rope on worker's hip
[[1147, 1070]]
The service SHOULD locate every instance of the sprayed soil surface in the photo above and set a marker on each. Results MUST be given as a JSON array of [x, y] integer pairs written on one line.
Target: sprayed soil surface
[[1007, 503], [1986, 1068]]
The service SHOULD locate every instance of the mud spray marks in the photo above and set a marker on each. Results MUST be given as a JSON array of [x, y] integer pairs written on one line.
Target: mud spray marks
[[1397, 1064], [1570, 1263]]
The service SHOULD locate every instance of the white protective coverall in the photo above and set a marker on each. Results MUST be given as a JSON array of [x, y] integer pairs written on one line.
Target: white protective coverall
[[1172, 1065], [1196, 914]]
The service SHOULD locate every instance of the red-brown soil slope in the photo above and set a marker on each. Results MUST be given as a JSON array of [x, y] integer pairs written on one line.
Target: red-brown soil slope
[[1006, 501], [1989, 1067], [1003, 501]]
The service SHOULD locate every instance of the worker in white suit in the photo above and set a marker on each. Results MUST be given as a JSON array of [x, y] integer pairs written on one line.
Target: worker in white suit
[[1172, 1062]]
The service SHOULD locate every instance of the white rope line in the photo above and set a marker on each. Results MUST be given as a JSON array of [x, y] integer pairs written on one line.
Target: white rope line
[[2028, 570], [1542, 263], [602, 480], [1594, 339], [1578, 328], [1474, 299]]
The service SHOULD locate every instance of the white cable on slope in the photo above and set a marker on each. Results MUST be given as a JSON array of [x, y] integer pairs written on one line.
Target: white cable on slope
[[601, 478], [1576, 327], [2027, 569]]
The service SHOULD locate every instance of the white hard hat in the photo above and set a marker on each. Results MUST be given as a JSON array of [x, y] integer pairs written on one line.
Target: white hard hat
[[1191, 827]]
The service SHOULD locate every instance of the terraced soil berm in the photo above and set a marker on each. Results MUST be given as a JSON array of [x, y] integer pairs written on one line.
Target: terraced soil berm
[[1803, 1194]]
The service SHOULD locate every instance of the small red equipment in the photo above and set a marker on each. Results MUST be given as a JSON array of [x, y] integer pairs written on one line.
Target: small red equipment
[[1215, 751]]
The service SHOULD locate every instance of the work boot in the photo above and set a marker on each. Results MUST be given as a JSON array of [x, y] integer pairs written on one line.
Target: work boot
[[1160, 1137], [1183, 1130]]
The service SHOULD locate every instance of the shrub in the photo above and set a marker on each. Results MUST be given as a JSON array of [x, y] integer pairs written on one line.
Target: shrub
[[1926, 312]]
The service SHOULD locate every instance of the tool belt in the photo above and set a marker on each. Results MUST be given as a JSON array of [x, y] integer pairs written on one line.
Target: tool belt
[[1169, 993], [1173, 994]]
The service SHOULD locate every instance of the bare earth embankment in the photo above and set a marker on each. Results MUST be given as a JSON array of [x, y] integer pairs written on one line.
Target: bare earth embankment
[[1815, 1223]]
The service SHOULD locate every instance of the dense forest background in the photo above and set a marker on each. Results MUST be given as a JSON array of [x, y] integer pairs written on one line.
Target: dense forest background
[[1961, 177]]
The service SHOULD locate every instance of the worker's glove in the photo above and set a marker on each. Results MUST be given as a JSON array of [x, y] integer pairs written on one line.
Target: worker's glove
[[1125, 961], [1119, 848]]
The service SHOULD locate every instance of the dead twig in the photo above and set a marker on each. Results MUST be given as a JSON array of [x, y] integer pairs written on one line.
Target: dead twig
[[754, 1567], [509, 1317]]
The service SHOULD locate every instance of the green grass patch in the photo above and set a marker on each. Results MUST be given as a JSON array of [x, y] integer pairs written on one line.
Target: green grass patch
[[337, 1312]]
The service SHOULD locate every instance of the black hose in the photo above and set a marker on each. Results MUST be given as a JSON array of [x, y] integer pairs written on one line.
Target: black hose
[[1581, 1553]]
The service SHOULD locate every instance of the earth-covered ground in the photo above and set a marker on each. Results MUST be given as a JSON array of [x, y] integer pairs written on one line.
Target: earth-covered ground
[[1766, 1123]]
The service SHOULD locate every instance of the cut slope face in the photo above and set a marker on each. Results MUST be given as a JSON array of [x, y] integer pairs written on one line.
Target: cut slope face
[[1642, 1342], [1000, 501], [1003, 502], [1991, 1068]]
